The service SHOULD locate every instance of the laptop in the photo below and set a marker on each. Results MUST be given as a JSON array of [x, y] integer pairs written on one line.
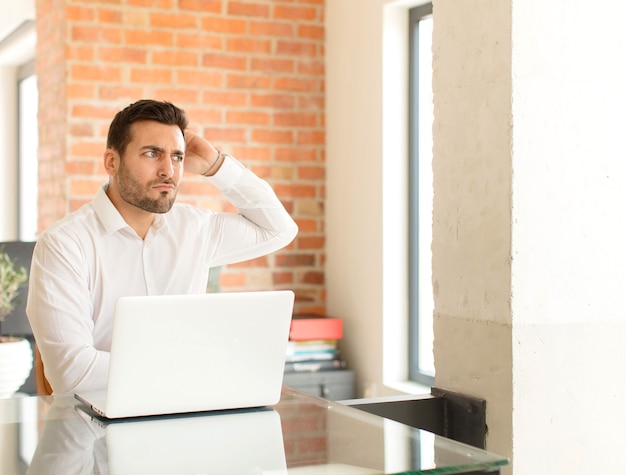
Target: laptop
[[175, 354], [242, 441]]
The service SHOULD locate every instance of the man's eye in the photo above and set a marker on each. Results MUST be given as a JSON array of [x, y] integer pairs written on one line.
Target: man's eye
[[151, 153], [177, 158]]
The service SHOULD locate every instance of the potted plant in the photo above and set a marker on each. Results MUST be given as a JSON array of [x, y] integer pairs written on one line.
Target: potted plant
[[16, 356]]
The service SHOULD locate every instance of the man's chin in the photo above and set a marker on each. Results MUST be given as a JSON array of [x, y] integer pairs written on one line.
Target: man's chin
[[159, 206]]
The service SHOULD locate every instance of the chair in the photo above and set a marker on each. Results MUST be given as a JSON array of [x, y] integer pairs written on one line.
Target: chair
[[17, 323]]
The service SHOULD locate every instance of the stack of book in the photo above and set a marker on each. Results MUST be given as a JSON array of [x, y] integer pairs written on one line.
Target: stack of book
[[313, 344]]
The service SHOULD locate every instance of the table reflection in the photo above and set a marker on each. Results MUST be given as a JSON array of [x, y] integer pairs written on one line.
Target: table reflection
[[74, 440], [299, 436]]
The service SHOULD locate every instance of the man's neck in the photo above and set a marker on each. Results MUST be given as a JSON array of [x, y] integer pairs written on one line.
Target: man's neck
[[137, 218]]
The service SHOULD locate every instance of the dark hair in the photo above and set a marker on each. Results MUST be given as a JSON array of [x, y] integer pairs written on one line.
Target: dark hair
[[146, 109]]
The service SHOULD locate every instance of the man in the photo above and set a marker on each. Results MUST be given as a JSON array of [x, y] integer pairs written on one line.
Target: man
[[132, 239]]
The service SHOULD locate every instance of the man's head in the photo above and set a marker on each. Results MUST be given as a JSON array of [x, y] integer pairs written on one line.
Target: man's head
[[120, 130], [144, 157]]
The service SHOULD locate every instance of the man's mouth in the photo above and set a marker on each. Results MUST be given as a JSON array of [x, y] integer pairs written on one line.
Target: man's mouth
[[164, 186]]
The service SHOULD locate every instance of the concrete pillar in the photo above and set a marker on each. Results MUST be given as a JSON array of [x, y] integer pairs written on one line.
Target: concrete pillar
[[528, 233]]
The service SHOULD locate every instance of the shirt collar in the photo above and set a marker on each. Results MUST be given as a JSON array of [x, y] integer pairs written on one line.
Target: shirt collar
[[111, 218]]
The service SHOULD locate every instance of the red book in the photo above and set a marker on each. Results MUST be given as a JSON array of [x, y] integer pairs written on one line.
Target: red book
[[313, 327]]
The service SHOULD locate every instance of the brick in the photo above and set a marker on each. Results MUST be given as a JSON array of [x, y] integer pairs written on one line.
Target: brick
[[225, 98], [201, 41], [311, 101], [122, 54], [297, 48], [149, 38], [312, 173], [313, 32], [173, 20], [80, 167], [272, 136], [86, 149], [272, 28], [117, 92], [161, 4], [80, 91], [297, 85], [296, 190], [227, 135], [296, 154], [98, 34], [191, 76], [307, 225], [77, 13], [248, 81], [95, 73], [135, 18], [282, 278], [214, 6], [229, 279], [253, 9], [247, 45], [276, 101], [314, 137], [311, 242], [215, 24], [93, 112], [313, 277], [175, 58], [271, 65], [284, 12], [205, 115], [107, 15], [247, 117], [81, 129], [258, 262], [224, 61], [311, 67], [151, 75], [177, 95], [84, 186], [295, 119], [83, 53]]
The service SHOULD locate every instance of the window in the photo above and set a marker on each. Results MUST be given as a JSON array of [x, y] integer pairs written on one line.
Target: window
[[27, 100], [18, 125], [421, 306]]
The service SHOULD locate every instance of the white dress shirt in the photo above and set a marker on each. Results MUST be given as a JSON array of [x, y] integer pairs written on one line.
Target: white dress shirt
[[85, 262]]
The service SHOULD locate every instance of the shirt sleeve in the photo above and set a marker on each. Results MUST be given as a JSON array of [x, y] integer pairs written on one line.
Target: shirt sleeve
[[262, 225], [60, 310]]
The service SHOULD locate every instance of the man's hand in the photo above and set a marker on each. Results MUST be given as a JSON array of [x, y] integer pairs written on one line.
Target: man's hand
[[201, 157]]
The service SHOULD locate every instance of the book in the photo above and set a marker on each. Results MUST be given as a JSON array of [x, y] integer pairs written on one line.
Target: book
[[311, 350], [314, 366], [315, 327]]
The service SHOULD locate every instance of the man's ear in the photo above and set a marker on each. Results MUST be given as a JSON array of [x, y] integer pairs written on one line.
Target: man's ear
[[111, 161]]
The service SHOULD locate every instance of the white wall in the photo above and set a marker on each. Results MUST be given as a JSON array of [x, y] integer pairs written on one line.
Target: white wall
[[14, 50], [569, 230]]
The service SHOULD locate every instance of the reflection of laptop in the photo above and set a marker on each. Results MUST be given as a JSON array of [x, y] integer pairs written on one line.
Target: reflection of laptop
[[187, 353], [242, 442]]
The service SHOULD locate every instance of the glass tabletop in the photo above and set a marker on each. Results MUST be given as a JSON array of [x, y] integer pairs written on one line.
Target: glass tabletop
[[301, 435]]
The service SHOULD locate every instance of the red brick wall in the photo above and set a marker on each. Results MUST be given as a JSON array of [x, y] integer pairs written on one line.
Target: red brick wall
[[250, 75]]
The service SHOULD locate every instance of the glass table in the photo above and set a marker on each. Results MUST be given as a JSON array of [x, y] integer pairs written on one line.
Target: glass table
[[301, 435]]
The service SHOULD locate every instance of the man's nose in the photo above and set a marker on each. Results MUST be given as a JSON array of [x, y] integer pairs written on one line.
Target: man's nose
[[166, 167]]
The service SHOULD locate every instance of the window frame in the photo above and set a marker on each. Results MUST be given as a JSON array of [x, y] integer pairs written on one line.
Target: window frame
[[416, 374]]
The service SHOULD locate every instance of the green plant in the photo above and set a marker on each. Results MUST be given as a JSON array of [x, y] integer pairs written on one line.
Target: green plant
[[11, 277]]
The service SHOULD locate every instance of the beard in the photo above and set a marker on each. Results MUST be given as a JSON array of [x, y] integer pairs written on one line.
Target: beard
[[136, 194]]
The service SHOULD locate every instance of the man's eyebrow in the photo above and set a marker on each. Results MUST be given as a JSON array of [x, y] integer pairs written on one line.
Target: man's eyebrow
[[156, 148]]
